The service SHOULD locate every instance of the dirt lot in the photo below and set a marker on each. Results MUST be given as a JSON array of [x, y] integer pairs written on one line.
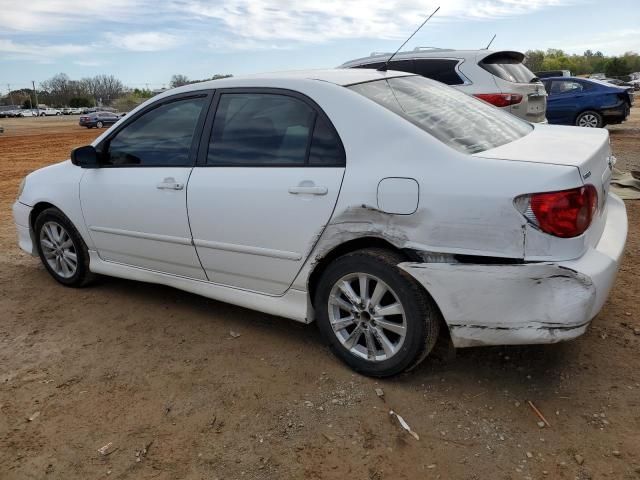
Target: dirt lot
[[145, 366]]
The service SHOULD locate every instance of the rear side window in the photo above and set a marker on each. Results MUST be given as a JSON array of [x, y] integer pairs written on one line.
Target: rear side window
[[399, 65], [564, 86], [326, 148], [439, 69], [508, 66], [266, 129], [456, 119], [160, 137]]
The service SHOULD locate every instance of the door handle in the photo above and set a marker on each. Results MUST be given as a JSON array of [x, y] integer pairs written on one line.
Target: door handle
[[170, 184], [308, 190]]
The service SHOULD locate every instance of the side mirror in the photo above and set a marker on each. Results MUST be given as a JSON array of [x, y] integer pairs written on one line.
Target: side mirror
[[85, 157]]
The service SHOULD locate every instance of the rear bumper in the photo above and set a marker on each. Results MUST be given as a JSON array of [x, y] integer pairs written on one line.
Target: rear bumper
[[21, 213], [527, 303], [616, 114]]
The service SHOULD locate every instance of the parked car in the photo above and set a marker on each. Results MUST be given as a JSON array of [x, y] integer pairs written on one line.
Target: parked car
[[336, 196], [98, 119], [49, 112], [499, 78], [27, 113], [585, 102], [88, 110], [597, 76], [553, 73], [620, 83]]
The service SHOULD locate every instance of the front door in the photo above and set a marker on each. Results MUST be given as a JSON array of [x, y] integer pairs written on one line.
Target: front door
[[264, 188], [135, 205]]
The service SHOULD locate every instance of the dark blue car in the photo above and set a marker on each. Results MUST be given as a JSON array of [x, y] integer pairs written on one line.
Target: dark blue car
[[586, 102]]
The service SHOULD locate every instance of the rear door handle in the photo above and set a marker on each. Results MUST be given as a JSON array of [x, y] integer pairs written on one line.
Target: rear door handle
[[170, 184], [309, 190]]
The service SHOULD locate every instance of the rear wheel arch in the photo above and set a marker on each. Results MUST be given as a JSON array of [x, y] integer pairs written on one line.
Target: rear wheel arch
[[343, 249], [363, 243]]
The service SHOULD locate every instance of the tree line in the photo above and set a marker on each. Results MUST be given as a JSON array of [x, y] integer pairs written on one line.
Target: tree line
[[100, 90], [587, 63]]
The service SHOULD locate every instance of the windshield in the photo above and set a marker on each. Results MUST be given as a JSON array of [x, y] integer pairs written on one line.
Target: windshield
[[456, 119]]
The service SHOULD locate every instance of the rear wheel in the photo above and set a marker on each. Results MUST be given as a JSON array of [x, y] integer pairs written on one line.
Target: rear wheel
[[375, 316], [589, 119], [61, 249], [99, 124]]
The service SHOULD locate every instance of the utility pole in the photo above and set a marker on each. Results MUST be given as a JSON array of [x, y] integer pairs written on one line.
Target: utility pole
[[35, 94], [10, 96]]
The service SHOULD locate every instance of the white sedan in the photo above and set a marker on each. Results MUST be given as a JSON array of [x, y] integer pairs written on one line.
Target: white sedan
[[389, 208]]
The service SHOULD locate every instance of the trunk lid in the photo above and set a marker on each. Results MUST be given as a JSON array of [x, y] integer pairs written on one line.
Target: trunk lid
[[587, 149]]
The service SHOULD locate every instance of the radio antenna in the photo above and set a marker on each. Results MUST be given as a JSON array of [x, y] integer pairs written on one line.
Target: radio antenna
[[489, 44], [384, 67]]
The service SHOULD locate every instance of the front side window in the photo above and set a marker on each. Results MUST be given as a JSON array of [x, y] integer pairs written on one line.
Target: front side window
[[160, 137], [266, 129], [456, 119]]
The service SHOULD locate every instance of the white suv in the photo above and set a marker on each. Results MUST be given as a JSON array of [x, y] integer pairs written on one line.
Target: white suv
[[49, 112], [499, 78]]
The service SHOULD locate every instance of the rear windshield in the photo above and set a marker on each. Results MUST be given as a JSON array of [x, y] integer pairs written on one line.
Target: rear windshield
[[456, 119], [508, 67]]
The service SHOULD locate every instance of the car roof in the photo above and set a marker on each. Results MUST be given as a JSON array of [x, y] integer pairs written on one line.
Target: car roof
[[337, 76], [426, 53]]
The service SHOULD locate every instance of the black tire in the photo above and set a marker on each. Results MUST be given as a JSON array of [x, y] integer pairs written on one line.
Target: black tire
[[421, 314], [99, 124], [82, 275], [589, 118]]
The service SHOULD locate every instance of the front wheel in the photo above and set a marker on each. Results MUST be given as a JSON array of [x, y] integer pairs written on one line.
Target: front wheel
[[62, 251], [590, 119], [99, 124], [375, 316]]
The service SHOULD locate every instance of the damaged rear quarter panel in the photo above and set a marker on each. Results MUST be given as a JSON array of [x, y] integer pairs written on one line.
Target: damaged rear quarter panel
[[537, 302]]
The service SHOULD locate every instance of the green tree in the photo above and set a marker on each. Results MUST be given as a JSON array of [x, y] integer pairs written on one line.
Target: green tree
[[616, 67], [80, 102], [534, 60]]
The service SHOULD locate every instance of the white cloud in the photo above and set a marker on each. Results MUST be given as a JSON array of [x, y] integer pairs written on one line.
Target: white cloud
[[144, 41], [615, 42], [37, 51], [89, 63], [317, 21], [58, 15]]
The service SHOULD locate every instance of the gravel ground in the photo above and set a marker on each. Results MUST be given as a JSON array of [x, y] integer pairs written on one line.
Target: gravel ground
[[155, 373]]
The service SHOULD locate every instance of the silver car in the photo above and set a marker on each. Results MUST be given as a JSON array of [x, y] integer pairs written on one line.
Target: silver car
[[499, 78]]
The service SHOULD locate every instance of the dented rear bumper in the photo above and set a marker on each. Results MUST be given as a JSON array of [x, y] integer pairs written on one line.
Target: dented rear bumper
[[526, 303]]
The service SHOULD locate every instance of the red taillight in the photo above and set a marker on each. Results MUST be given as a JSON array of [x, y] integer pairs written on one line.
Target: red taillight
[[500, 99], [567, 213]]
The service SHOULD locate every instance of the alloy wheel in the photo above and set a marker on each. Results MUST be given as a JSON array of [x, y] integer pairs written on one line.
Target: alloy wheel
[[58, 249], [367, 317], [589, 120]]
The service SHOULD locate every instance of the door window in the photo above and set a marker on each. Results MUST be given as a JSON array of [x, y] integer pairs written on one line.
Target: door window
[[265, 129], [160, 137], [442, 70], [563, 86]]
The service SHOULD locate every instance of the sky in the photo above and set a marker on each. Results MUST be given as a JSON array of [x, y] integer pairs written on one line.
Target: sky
[[145, 42]]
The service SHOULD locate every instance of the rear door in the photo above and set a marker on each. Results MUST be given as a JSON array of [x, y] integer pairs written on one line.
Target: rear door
[[565, 99], [267, 180]]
